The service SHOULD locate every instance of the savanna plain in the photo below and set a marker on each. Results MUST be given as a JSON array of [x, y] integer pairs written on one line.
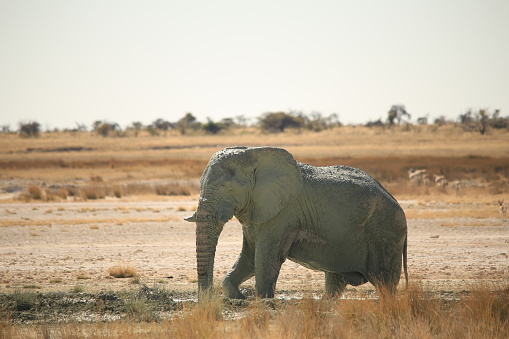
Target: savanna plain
[[93, 241]]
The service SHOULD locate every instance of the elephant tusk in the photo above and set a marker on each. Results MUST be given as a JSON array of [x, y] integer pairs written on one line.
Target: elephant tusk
[[191, 218]]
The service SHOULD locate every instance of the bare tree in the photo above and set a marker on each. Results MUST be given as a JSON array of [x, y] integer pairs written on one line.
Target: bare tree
[[423, 120], [241, 120], [440, 121], [482, 121], [81, 127], [105, 129], [499, 122], [478, 120], [136, 125], [333, 120], [396, 114]]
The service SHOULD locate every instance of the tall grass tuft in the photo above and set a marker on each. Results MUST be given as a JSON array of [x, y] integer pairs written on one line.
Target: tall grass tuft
[[139, 308], [35, 192], [123, 270], [24, 300], [202, 320]]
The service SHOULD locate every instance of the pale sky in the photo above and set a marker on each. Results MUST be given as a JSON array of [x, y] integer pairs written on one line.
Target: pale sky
[[67, 62]]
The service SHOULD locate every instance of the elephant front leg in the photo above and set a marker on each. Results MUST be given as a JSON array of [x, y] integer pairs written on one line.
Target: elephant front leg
[[269, 256], [242, 270]]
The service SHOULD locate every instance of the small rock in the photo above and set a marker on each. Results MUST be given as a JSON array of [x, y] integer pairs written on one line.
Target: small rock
[[434, 236], [108, 297]]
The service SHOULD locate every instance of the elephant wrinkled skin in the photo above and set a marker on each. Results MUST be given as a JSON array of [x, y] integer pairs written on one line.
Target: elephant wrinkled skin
[[335, 219]]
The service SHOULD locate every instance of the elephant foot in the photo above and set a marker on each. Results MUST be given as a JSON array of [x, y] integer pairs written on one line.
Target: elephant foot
[[231, 291]]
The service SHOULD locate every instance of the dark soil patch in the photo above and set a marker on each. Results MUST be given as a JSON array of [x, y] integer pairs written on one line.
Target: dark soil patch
[[143, 304]]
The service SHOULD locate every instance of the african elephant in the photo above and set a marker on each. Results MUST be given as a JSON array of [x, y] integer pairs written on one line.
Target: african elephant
[[335, 219]]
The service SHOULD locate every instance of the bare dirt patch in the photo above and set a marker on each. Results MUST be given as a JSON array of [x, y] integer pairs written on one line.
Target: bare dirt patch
[[50, 247]]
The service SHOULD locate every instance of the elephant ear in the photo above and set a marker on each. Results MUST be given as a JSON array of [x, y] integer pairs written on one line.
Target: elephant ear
[[277, 182]]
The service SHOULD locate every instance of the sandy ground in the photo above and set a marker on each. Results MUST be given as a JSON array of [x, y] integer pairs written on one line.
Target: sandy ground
[[57, 246]]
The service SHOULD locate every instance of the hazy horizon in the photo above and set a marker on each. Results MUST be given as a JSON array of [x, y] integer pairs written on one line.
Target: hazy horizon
[[63, 62]]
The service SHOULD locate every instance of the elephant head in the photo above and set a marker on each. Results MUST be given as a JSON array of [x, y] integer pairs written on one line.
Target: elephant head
[[254, 184]]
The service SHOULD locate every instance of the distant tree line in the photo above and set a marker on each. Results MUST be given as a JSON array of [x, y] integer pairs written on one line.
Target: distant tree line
[[274, 122], [280, 121], [471, 121]]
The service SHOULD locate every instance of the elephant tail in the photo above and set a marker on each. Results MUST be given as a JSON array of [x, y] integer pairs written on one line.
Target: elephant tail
[[405, 268]]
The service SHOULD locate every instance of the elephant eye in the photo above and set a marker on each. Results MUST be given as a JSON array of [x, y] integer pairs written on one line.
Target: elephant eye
[[230, 171]]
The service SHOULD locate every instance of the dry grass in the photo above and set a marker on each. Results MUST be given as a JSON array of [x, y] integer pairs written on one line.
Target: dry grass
[[123, 270], [77, 221], [174, 189], [83, 277], [416, 313], [134, 153], [478, 212], [84, 167], [417, 137], [35, 192]]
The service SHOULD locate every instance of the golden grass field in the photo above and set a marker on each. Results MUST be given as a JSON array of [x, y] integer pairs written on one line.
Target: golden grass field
[[92, 242], [387, 154]]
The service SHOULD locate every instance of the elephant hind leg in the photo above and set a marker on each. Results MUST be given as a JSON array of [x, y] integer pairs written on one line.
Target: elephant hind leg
[[335, 284], [385, 284], [231, 290]]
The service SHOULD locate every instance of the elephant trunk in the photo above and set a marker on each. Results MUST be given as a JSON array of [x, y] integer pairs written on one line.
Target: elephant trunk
[[208, 229]]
